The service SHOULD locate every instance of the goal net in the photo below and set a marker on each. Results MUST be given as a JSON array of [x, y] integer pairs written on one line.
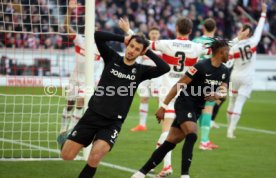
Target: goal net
[[37, 59]]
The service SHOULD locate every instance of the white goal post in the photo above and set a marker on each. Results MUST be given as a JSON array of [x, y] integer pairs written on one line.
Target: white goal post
[[31, 72]]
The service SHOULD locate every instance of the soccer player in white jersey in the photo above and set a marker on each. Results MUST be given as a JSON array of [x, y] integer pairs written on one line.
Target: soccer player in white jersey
[[242, 77], [147, 88], [75, 93]]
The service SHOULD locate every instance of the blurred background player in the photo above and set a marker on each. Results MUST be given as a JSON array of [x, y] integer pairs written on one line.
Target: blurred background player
[[209, 29], [75, 90], [242, 77], [147, 88]]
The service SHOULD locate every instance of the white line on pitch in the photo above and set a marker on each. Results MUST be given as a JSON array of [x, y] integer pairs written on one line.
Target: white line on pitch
[[244, 128], [252, 129], [113, 166]]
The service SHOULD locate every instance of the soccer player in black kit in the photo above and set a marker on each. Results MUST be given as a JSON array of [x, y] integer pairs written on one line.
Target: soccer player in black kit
[[205, 81], [108, 107]]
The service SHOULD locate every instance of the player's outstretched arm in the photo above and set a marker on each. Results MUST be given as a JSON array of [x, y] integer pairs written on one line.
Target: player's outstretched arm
[[259, 29], [124, 25], [67, 20]]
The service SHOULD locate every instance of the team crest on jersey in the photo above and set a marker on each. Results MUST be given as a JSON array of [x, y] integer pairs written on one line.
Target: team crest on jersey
[[192, 70], [190, 115], [74, 133], [134, 70], [223, 76]]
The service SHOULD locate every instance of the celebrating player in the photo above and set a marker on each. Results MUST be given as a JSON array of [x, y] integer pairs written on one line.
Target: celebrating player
[[242, 77]]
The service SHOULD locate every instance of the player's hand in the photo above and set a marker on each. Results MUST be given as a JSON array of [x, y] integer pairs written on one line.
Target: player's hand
[[212, 96], [160, 114], [72, 4], [124, 24], [264, 7], [242, 35], [145, 51], [127, 38]]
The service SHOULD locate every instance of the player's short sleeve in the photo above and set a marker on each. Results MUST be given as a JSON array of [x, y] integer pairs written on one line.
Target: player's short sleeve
[[200, 49], [195, 70], [160, 45]]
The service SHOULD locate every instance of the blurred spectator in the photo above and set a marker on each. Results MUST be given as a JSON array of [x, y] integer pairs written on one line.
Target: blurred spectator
[[273, 49], [45, 16]]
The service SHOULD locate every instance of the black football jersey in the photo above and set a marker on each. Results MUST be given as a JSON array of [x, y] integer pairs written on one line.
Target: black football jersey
[[205, 79], [118, 84]]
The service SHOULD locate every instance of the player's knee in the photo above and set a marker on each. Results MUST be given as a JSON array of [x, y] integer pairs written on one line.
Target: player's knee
[[191, 137], [67, 156], [67, 153], [96, 157]]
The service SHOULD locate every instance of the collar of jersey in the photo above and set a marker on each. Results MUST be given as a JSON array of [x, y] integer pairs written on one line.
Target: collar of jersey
[[181, 38], [125, 65]]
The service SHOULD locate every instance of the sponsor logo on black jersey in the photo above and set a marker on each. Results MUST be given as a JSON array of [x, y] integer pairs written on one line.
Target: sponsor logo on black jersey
[[122, 75], [213, 82]]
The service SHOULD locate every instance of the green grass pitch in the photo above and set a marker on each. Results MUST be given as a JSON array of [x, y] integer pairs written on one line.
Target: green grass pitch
[[251, 155]]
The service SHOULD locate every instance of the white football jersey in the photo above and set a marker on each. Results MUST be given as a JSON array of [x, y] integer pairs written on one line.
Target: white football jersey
[[180, 54], [244, 54], [79, 70]]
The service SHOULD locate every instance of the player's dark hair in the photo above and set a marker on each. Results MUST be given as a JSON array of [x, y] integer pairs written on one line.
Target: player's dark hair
[[248, 26], [209, 24], [184, 25], [216, 44], [140, 38]]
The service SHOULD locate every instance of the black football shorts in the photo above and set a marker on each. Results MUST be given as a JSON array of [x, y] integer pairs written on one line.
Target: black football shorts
[[185, 110], [93, 126]]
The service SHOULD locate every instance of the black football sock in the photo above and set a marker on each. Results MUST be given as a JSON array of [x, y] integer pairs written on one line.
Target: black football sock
[[87, 172], [157, 156], [187, 153]]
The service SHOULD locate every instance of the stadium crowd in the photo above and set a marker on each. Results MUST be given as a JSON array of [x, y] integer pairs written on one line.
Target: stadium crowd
[[42, 15]]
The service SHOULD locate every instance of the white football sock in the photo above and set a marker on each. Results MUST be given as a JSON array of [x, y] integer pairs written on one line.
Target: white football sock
[[143, 111], [76, 117], [138, 175], [66, 116]]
